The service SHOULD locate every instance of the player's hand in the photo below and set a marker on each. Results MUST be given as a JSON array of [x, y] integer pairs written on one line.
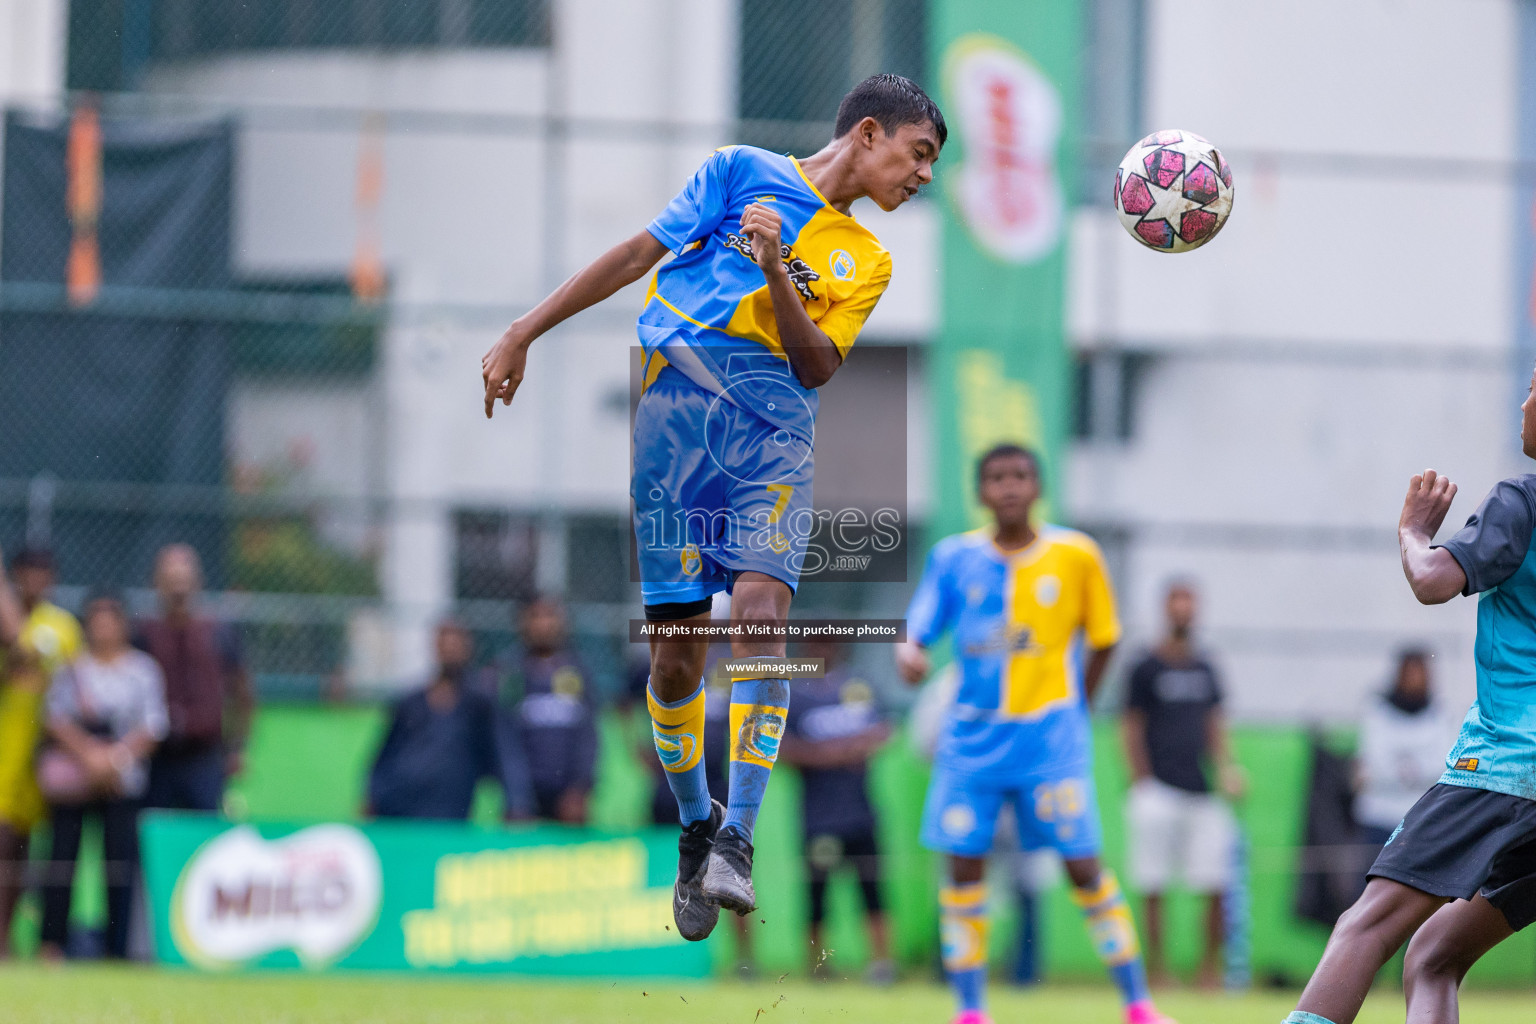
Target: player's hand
[[502, 368], [763, 226], [1429, 499], [912, 662], [1233, 781]]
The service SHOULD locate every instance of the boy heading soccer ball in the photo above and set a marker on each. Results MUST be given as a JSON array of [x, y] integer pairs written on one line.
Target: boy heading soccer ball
[[772, 283]]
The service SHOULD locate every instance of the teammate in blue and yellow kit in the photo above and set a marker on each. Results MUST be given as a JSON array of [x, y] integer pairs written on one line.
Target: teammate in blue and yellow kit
[[772, 281], [1021, 604]]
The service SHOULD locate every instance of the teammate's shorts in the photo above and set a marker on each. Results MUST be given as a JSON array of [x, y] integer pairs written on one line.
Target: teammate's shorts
[[1054, 813], [1458, 841], [1175, 835], [825, 854], [717, 491]]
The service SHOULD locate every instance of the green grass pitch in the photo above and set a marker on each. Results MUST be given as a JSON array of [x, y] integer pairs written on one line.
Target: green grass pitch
[[88, 995]]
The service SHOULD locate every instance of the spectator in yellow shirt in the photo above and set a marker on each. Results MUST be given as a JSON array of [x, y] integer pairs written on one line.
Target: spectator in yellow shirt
[[36, 639]]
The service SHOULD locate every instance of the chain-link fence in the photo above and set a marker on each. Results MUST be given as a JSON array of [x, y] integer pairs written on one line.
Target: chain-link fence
[[221, 320]]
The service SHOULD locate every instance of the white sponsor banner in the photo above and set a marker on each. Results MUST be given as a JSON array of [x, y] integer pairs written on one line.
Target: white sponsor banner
[[1009, 122], [241, 897]]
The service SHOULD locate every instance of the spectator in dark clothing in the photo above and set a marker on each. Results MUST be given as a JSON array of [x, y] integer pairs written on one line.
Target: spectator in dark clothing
[[441, 741], [548, 689], [832, 731], [207, 690], [1175, 735]]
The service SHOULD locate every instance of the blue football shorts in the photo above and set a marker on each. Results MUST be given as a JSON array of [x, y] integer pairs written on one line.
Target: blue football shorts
[[1053, 813], [717, 491]]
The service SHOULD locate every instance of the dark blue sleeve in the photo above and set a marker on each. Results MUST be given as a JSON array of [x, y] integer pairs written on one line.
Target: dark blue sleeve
[[1140, 692], [512, 763], [698, 209], [1496, 538], [384, 762]]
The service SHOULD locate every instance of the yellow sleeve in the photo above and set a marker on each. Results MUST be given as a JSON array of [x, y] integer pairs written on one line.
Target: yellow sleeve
[[1101, 622], [844, 320], [72, 638]]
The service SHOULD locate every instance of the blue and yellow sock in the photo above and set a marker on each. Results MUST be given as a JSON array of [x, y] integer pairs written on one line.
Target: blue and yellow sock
[[963, 940], [1114, 936], [1303, 1017], [678, 731], [758, 707]]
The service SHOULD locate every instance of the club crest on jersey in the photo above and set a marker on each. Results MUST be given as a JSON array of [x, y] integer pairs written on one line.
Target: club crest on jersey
[[692, 560], [800, 273], [843, 267], [1047, 590]]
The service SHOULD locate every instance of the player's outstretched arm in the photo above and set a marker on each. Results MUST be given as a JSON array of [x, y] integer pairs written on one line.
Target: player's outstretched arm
[[1433, 573], [811, 353], [502, 367]]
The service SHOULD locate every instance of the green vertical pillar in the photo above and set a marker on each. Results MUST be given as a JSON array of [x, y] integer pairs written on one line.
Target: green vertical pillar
[[1008, 72]]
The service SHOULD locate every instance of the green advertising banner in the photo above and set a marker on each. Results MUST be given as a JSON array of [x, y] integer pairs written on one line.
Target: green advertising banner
[[1008, 72], [414, 896]]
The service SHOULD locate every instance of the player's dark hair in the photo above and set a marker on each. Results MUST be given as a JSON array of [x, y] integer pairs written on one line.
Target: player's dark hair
[[1007, 449], [892, 101]]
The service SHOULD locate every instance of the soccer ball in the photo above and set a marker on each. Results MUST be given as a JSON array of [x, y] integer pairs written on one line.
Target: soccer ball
[[1173, 191]]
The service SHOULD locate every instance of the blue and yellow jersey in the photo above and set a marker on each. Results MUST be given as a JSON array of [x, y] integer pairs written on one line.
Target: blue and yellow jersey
[[708, 314], [1018, 621]]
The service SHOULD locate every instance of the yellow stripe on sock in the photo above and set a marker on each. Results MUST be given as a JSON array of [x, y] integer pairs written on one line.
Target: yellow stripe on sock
[[1109, 921], [963, 927], [756, 730], [678, 731]]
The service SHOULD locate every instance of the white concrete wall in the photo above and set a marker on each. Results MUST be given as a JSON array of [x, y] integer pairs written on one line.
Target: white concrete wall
[[1350, 327], [481, 214]]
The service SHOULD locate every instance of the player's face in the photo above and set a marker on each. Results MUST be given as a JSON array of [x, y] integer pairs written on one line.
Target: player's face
[[1009, 486], [1528, 422], [453, 647], [898, 164], [33, 583], [1181, 609]]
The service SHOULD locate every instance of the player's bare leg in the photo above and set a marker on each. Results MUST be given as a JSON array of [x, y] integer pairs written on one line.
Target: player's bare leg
[[1441, 953], [1365, 938], [1097, 893], [759, 704], [1152, 922], [1209, 977], [675, 698]]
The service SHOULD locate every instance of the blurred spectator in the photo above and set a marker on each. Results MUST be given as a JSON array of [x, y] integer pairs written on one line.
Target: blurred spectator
[[1403, 739], [441, 741], [207, 690], [37, 638], [832, 731], [1174, 734], [105, 713], [548, 689]]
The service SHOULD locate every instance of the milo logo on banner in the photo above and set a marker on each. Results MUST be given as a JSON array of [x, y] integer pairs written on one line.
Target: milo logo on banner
[[1008, 116], [240, 897]]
